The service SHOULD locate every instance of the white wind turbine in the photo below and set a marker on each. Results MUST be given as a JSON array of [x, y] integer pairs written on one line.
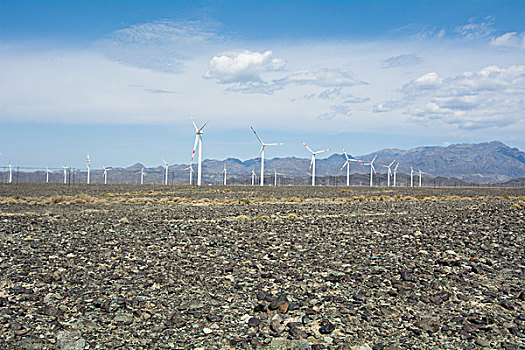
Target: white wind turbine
[[190, 168], [106, 175], [312, 162], [47, 174], [198, 140], [389, 174], [420, 176], [166, 176], [65, 173], [261, 153], [88, 161], [411, 177], [372, 170], [142, 174], [275, 178], [253, 177], [10, 174], [395, 173], [224, 172], [347, 165]]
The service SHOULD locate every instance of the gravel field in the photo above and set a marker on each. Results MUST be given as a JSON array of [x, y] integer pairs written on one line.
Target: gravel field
[[154, 267]]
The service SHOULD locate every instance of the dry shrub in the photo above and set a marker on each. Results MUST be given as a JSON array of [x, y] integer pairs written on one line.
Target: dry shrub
[[385, 198], [242, 217], [293, 216]]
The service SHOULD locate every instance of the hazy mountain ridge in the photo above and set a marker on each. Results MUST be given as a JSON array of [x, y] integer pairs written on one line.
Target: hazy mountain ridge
[[487, 162]]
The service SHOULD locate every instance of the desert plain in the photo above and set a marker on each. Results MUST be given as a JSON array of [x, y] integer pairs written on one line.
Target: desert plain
[[242, 267]]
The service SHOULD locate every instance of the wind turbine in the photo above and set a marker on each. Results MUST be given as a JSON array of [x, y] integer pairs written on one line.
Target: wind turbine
[[411, 177], [395, 173], [224, 171], [166, 167], [198, 140], [47, 174], [106, 175], [420, 176], [275, 179], [65, 173], [261, 153], [10, 174], [389, 174], [142, 174], [253, 177], [190, 168], [347, 165], [312, 162], [372, 170], [88, 161]]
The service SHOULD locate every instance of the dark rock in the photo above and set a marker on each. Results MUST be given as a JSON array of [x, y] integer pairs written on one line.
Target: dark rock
[[326, 327], [254, 322]]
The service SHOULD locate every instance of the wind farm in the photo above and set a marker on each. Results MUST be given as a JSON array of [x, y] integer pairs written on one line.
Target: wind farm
[[273, 175]]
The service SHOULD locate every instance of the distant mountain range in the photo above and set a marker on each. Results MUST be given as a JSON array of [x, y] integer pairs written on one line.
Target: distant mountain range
[[484, 162], [489, 162]]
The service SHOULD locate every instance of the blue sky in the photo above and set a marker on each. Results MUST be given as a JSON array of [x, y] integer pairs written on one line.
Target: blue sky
[[120, 79]]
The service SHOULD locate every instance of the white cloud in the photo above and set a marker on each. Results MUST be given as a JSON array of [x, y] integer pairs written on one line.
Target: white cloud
[[476, 30], [162, 46], [429, 81], [510, 39], [492, 96], [325, 77], [242, 67], [165, 32], [336, 111], [402, 61], [380, 108]]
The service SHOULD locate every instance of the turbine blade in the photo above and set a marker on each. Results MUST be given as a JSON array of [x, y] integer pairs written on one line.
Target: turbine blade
[[346, 155], [311, 162], [392, 163], [202, 127], [260, 151], [344, 165], [308, 148], [274, 144], [194, 147], [257, 135], [321, 151], [195, 125], [374, 158]]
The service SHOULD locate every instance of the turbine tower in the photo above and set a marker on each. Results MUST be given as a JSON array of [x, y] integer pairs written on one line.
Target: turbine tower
[[65, 173], [411, 177], [166, 176], [275, 179], [389, 174], [253, 177], [106, 175], [190, 168], [372, 170], [10, 174], [261, 153], [224, 171], [395, 173], [88, 161], [312, 162], [198, 140], [47, 174], [347, 165], [142, 174]]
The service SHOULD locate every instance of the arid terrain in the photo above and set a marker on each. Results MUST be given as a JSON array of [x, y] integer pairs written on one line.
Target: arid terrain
[[154, 267]]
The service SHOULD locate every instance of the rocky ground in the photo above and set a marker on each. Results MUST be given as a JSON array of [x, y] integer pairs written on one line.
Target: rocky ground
[[84, 267]]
